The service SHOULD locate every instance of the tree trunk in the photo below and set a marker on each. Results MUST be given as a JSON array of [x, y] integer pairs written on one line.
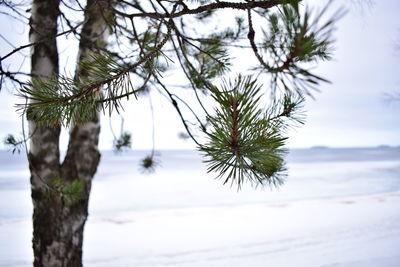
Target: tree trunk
[[58, 222]]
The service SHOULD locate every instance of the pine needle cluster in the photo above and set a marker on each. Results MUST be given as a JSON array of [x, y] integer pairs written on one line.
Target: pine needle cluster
[[14, 144], [69, 192], [295, 38], [63, 100], [246, 143]]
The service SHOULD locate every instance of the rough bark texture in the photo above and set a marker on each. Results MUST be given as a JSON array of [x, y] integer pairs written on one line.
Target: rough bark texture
[[44, 147], [58, 224]]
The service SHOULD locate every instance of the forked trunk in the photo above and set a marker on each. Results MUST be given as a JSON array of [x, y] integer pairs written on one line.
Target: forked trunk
[[58, 220]]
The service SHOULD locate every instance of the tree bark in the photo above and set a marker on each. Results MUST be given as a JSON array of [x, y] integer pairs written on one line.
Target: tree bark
[[58, 224], [44, 143]]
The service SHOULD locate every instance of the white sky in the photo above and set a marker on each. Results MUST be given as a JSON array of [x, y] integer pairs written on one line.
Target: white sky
[[350, 112]]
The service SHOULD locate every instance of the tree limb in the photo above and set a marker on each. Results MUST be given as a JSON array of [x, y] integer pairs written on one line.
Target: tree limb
[[200, 9]]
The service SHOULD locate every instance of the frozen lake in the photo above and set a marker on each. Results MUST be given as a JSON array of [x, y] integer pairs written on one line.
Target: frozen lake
[[338, 207]]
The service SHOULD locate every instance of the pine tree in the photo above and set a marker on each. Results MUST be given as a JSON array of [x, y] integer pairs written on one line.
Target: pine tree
[[126, 48]]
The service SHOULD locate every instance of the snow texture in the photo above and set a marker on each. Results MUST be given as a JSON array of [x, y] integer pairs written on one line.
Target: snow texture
[[338, 208]]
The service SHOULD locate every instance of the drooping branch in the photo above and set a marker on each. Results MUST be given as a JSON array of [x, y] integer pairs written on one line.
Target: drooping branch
[[178, 110], [251, 34], [179, 56]]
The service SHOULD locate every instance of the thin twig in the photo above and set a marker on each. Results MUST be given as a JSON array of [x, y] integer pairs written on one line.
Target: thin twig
[[37, 42]]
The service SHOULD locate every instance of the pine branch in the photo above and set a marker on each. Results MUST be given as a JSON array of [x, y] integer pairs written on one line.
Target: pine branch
[[205, 8], [246, 143], [63, 100], [294, 38]]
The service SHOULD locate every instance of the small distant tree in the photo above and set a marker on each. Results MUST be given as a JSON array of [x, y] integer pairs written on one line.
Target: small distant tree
[[127, 49]]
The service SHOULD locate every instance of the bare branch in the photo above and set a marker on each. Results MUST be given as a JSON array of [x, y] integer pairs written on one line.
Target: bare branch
[[200, 9], [35, 43]]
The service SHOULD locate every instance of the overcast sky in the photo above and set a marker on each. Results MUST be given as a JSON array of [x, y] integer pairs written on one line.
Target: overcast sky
[[350, 112]]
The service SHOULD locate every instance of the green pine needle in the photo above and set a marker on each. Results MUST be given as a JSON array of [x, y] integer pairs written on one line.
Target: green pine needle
[[15, 145], [294, 39], [246, 144], [123, 141], [149, 164]]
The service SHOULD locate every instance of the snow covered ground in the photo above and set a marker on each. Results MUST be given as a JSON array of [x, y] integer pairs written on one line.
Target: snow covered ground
[[338, 208]]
